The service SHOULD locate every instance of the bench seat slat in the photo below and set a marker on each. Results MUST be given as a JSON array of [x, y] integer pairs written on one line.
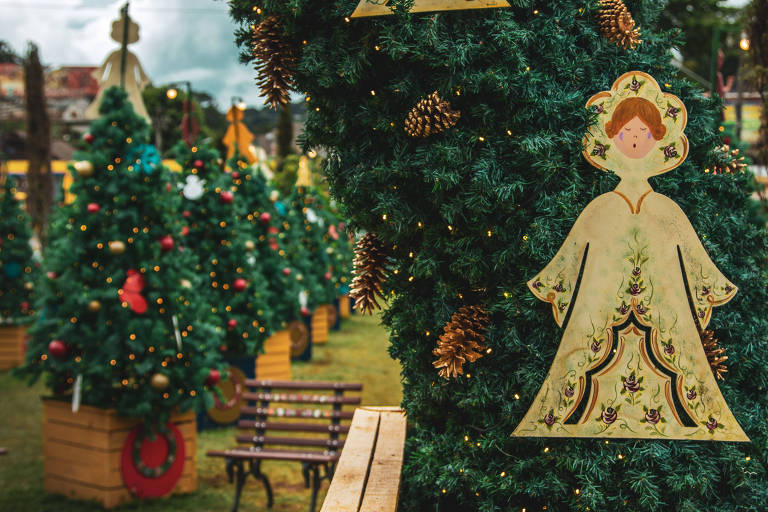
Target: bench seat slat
[[245, 453], [333, 444], [293, 427], [282, 412], [383, 486], [295, 398], [297, 384], [348, 484]]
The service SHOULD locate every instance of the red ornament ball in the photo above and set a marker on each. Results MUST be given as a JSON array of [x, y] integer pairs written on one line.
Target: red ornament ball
[[226, 197], [265, 217], [240, 284], [93, 207], [57, 349], [186, 214], [184, 230], [88, 137], [304, 311], [235, 175], [199, 164], [166, 243], [273, 230], [52, 275], [286, 271], [213, 377], [24, 306], [231, 323], [328, 276]]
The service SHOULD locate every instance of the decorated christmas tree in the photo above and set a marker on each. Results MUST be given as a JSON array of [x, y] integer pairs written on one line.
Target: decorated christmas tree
[[236, 282], [469, 193], [19, 269], [261, 209], [119, 323]]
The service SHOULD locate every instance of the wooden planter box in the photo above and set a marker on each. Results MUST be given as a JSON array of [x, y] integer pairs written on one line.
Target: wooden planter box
[[345, 306], [275, 362], [320, 325], [82, 452], [13, 346]]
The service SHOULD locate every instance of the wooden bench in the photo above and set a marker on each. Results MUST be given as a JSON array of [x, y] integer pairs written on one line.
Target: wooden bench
[[262, 417], [367, 477]]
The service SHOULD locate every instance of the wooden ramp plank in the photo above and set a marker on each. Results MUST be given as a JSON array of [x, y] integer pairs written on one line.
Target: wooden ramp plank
[[346, 489], [383, 487]]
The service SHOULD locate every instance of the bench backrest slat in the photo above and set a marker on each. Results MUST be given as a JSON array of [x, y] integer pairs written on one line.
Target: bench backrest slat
[[303, 384], [291, 441], [284, 412], [294, 398]]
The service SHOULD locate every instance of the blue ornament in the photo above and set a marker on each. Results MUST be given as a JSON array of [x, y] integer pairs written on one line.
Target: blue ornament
[[344, 289], [144, 158], [280, 208], [12, 269]]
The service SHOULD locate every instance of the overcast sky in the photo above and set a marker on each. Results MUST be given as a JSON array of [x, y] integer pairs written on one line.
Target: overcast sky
[[180, 39]]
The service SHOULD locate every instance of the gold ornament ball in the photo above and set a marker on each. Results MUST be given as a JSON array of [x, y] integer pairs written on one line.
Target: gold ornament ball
[[160, 382], [94, 306], [84, 168], [249, 245], [29, 285], [116, 247]]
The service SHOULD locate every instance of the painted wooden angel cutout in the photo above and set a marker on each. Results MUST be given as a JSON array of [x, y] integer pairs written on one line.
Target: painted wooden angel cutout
[[632, 286], [108, 74], [382, 7]]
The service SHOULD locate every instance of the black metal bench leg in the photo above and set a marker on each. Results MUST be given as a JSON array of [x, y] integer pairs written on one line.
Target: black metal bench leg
[[240, 475], [305, 473], [315, 487], [256, 471]]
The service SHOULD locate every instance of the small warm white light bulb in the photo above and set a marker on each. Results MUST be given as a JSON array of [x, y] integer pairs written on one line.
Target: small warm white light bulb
[[241, 106], [172, 93], [744, 43]]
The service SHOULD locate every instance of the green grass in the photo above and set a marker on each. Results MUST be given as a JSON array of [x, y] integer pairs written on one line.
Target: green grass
[[357, 353]]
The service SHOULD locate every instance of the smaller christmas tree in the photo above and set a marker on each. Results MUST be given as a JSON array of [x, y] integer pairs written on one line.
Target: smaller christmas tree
[[237, 290], [271, 242], [18, 270]]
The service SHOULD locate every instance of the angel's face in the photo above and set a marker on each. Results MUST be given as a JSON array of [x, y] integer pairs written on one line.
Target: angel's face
[[634, 139]]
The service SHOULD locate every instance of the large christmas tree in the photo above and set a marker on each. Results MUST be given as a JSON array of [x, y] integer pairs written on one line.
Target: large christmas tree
[[18, 268], [473, 196], [119, 321]]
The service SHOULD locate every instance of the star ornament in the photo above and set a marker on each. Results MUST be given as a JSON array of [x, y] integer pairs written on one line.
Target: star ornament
[[382, 8]]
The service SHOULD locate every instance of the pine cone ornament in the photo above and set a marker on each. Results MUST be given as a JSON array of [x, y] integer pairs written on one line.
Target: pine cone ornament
[[715, 354], [461, 342], [617, 25], [727, 161], [370, 272], [430, 115], [275, 61]]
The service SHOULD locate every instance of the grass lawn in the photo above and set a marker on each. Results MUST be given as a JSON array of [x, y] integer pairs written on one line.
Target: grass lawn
[[356, 353]]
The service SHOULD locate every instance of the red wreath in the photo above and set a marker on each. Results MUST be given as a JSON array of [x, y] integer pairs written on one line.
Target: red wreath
[[153, 457]]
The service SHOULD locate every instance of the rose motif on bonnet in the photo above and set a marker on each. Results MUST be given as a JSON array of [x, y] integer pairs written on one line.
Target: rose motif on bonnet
[[609, 415]]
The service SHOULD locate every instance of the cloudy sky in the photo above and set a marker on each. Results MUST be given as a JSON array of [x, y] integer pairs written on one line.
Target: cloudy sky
[[180, 39]]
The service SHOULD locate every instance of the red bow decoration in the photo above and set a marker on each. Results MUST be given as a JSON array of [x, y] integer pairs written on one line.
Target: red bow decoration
[[131, 292]]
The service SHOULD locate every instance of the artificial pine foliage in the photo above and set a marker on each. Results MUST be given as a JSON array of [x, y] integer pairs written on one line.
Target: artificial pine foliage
[[235, 279], [118, 310], [18, 269], [260, 209], [481, 209]]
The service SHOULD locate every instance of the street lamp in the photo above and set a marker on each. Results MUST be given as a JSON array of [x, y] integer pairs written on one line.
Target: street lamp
[[172, 93]]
